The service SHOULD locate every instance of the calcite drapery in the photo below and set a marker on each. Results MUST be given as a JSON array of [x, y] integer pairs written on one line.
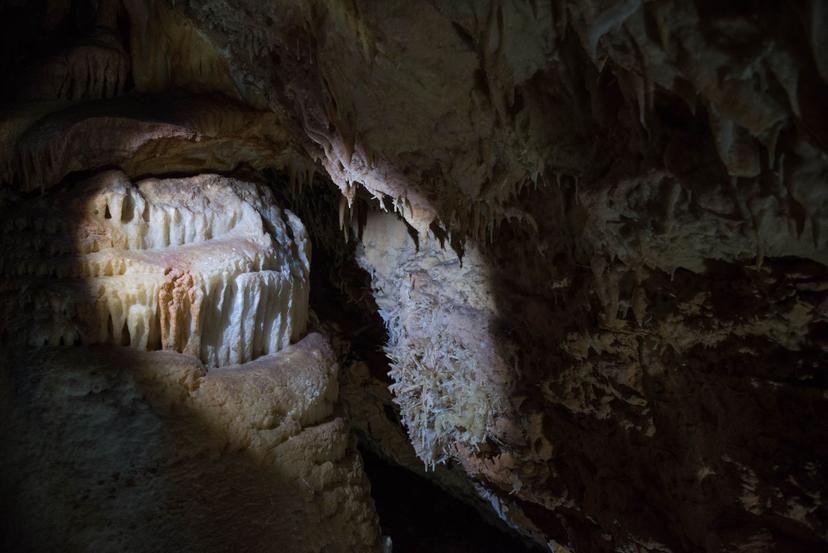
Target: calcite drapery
[[204, 265]]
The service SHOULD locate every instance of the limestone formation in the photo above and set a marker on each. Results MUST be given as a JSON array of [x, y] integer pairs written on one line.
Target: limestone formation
[[43, 142], [113, 449], [207, 266], [571, 256]]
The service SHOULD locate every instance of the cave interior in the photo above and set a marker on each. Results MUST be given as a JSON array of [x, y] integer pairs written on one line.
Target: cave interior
[[413, 276]]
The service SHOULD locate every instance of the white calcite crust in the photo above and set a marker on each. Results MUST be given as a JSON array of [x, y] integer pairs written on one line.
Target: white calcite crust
[[204, 265]]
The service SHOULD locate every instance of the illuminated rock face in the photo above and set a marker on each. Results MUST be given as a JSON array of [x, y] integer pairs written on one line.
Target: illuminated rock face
[[205, 265], [113, 449]]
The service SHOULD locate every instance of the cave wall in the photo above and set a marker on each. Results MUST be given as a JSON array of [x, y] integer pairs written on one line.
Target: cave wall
[[594, 230], [159, 386]]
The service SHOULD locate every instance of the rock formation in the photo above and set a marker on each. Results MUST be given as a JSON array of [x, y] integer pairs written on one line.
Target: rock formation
[[205, 265], [589, 238], [111, 449]]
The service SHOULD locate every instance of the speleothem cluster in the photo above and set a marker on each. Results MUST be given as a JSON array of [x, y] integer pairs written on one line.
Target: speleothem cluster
[[206, 265]]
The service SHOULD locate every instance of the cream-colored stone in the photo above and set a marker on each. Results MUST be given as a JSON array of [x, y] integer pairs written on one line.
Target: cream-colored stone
[[112, 449], [205, 265]]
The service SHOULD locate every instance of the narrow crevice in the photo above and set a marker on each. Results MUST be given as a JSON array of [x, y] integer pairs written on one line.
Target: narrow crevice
[[419, 516]]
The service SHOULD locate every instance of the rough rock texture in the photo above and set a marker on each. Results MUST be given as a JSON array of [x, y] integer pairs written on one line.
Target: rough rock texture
[[493, 96], [110, 449], [449, 381], [614, 311], [650, 398], [43, 142], [106, 448], [369, 402]]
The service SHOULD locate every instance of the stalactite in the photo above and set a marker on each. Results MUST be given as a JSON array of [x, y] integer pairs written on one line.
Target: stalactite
[[155, 265]]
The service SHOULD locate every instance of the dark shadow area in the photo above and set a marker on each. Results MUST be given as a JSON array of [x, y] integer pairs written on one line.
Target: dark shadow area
[[652, 438], [420, 516], [657, 439], [340, 291]]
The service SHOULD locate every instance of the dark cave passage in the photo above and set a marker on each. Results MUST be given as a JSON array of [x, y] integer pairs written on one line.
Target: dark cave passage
[[420, 517]]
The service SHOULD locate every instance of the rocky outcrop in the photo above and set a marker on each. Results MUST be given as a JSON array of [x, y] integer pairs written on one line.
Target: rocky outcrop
[[127, 448], [114, 449], [497, 95]]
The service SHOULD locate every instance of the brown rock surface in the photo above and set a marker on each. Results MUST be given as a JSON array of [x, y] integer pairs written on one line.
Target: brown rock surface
[[40, 144], [109, 449]]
